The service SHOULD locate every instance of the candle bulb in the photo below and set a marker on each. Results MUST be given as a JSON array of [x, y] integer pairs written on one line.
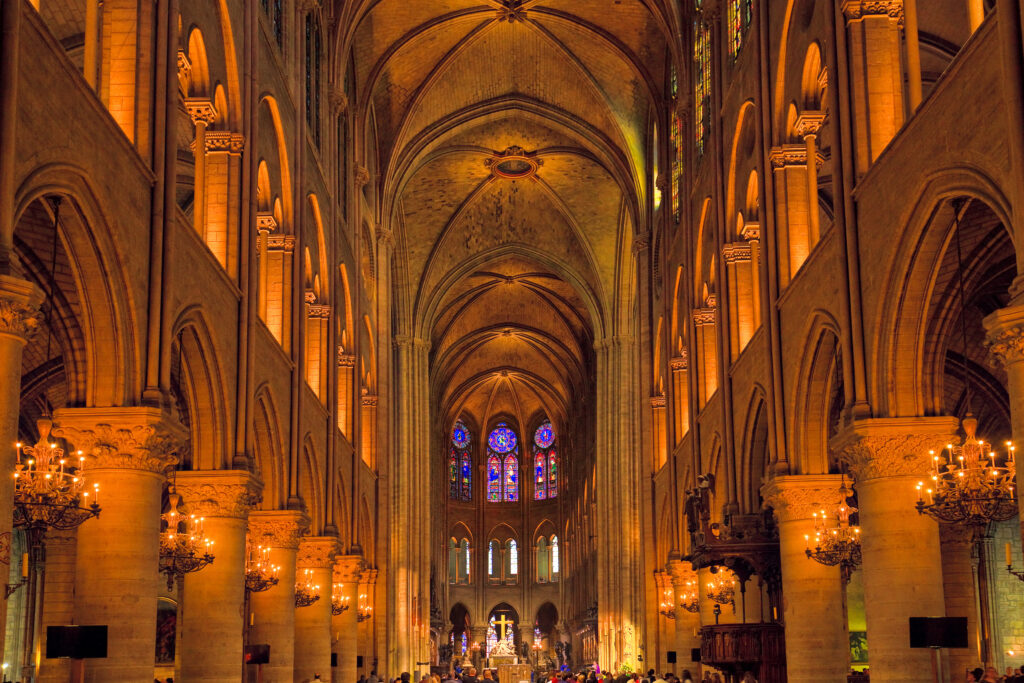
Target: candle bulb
[[24, 565]]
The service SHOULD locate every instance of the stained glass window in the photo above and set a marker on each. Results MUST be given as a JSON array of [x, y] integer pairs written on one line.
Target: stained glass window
[[465, 643], [552, 474], [313, 76], [503, 465], [461, 487], [513, 558], [467, 477], [490, 558], [492, 636], [545, 463], [540, 484], [453, 477], [511, 478], [677, 161], [741, 14], [701, 81], [493, 479]]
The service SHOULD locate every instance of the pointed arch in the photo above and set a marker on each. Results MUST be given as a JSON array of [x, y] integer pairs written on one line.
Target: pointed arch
[[197, 381], [269, 450]]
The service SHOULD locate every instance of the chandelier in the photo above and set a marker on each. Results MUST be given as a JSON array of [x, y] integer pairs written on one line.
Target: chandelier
[[184, 547], [306, 593], [339, 602], [666, 608], [722, 588], [260, 575], [366, 611], [836, 541], [689, 600], [49, 492], [971, 485]]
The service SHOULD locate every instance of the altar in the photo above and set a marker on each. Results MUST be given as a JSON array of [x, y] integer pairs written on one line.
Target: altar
[[514, 673], [503, 654]]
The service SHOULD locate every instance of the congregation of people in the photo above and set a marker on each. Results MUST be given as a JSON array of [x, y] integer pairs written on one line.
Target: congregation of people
[[990, 675], [471, 675]]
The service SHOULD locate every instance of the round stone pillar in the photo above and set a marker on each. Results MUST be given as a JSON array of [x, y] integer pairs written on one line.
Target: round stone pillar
[[313, 623], [212, 605], [817, 640], [684, 581], [19, 301], [345, 627], [118, 554], [272, 612], [1005, 329], [902, 558]]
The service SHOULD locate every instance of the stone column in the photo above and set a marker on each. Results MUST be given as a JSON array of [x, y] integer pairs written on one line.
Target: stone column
[[902, 558], [58, 603], [212, 605], [817, 642], [272, 612], [368, 630], [19, 301], [118, 554], [313, 623], [684, 581], [345, 626], [1005, 329], [876, 75], [203, 114]]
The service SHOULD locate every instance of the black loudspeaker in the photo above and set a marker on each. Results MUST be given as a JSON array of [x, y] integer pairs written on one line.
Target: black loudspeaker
[[359, 661], [76, 642], [257, 654], [938, 632], [671, 658], [334, 659], [695, 654]]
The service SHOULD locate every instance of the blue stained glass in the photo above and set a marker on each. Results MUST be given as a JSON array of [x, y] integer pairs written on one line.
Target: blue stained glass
[[467, 477], [453, 480], [553, 475], [544, 436], [511, 478], [539, 480], [460, 435], [493, 479], [502, 439]]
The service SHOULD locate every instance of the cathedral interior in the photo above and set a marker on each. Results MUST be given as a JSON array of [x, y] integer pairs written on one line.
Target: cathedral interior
[[352, 337]]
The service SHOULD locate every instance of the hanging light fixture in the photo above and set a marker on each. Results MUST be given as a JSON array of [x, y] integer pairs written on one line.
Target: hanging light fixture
[[836, 540], [49, 489], [365, 611], [722, 587], [306, 592], [690, 600], [971, 484], [666, 609], [260, 574], [184, 547], [339, 602]]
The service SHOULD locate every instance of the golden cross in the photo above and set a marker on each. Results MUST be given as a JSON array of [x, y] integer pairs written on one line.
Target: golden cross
[[503, 622]]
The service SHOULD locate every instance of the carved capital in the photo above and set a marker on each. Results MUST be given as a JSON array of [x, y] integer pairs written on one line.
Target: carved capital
[[368, 578], [736, 252], [369, 401], [792, 154], [200, 110], [277, 528], [385, 236], [317, 552], [703, 316], [348, 568], [1005, 329], [641, 243], [338, 102], [681, 573], [658, 401], [892, 447], [19, 307], [680, 363], [224, 141], [285, 243], [798, 497], [809, 123], [219, 493], [319, 311], [345, 359], [123, 438], [266, 221], [858, 9], [751, 231]]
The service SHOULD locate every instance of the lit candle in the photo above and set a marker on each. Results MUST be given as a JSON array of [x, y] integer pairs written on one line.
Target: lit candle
[[24, 565], [1009, 556]]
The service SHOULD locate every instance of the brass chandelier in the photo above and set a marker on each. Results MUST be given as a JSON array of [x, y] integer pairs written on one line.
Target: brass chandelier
[[366, 611], [667, 609], [836, 540], [339, 602], [260, 574], [50, 492], [970, 484], [184, 547], [306, 592], [689, 600], [722, 587]]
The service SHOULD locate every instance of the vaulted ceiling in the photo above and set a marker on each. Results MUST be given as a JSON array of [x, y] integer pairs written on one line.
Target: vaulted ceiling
[[512, 143]]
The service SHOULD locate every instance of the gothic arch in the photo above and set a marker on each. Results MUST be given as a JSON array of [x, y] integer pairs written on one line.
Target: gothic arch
[[311, 484], [198, 382], [899, 386], [756, 453], [112, 353], [269, 450], [820, 376]]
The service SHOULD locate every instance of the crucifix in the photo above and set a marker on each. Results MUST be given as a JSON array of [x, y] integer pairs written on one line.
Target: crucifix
[[503, 623]]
